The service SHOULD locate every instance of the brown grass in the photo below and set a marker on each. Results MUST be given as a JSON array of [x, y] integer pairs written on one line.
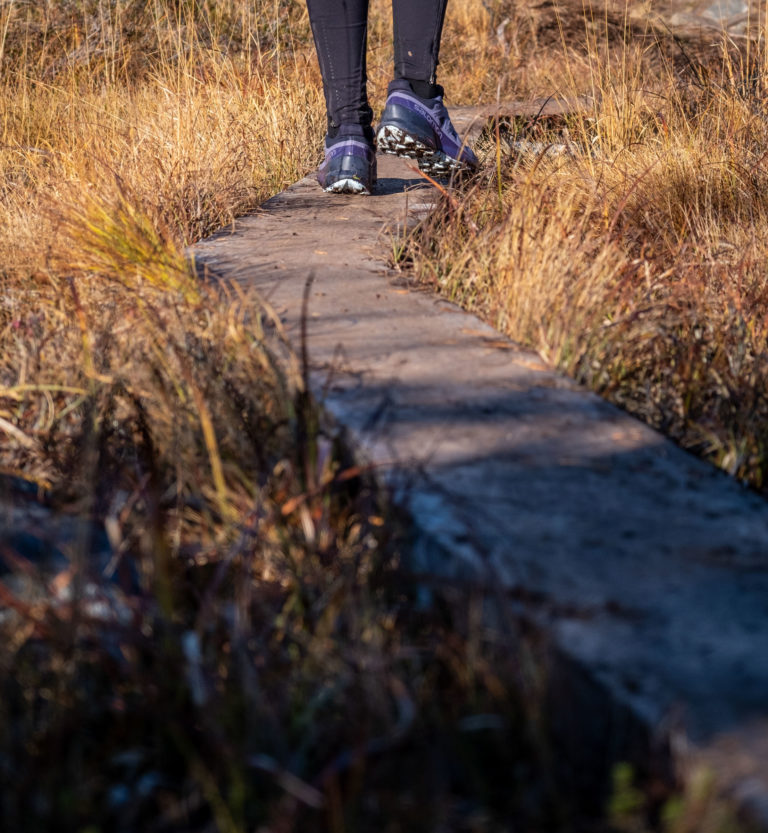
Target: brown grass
[[204, 622], [636, 261]]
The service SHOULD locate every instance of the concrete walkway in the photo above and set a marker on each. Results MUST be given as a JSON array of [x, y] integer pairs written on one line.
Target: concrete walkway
[[645, 567]]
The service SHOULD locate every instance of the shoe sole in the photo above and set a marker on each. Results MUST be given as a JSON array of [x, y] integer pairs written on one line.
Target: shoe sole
[[348, 186], [398, 142]]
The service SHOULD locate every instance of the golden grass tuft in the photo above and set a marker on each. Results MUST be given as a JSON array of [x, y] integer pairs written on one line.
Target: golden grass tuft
[[636, 259], [130, 130]]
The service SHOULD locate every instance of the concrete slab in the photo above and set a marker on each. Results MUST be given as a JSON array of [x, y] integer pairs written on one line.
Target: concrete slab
[[646, 567]]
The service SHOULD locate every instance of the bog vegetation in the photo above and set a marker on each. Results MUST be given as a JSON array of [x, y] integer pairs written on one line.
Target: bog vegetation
[[205, 623]]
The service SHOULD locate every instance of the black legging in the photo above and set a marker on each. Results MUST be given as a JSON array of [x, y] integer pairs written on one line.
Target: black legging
[[340, 29]]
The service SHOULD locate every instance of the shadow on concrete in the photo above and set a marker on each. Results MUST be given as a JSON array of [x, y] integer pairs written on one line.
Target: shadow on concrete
[[648, 565]]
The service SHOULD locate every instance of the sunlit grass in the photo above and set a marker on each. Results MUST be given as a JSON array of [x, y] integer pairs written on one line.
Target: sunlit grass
[[636, 259], [204, 622], [129, 131]]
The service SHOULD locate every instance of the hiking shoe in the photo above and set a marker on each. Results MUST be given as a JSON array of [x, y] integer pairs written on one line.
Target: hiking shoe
[[421, 129], [349, 166]]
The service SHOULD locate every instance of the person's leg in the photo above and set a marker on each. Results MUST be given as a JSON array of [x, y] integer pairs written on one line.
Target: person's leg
[[340, 29], [415, 123], [418, 27]]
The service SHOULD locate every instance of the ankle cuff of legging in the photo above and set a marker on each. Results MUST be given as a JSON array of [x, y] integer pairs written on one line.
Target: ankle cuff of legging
[[352, 129], [424, 89], [365, 122]]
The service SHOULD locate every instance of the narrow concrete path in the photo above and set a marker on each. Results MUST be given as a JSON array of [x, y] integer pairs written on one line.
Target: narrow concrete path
[[646, 567]]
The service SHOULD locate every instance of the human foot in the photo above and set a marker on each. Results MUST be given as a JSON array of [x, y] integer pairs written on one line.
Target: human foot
[[421, 129], [349, 166]]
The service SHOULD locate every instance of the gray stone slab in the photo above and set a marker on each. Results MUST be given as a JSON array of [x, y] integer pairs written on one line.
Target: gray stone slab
[[646, 566]]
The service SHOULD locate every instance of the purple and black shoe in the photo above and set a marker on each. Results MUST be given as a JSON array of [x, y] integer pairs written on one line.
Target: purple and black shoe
[[350, 163], [421, 129]]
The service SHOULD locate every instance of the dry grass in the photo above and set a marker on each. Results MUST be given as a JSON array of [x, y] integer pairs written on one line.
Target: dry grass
[[636, 261], [128, 132], [203, 624]]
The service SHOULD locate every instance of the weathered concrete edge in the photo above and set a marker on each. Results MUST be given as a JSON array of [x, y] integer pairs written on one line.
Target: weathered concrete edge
[[574, 692]]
